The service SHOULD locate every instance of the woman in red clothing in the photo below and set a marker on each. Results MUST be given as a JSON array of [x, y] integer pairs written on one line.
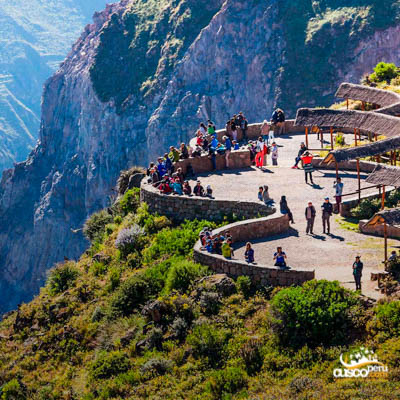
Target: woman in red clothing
[[307, 166], [260, 152]]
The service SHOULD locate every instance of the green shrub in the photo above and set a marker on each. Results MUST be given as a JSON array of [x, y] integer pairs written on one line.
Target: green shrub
[[393, 198], [115, 278], [395, 81], [384, 72], [98, 269], [95, 226], [62, 277], [155, 367], [366, 209], [117, 219], [339, 140], [110, 228], [132, 292], [251, 354], [210, 302], [315, 313], [226, 381], [12, 390], [386, 321], [182, 274], [129, 202], [209, 341], [177, 241], [109, 364], [243, 285]]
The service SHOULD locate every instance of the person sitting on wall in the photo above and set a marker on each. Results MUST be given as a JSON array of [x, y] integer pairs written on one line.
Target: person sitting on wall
[[285, 210], [180, 175], [302, 150], [197, 151], [266, 199], [211, 128], [154, 176], [228, 236], [249, 253], [280, 258], [162, 170], [198, 189], [187, 190], [209, 192], [177, 186], [173, 154], [227, 250], [214, 143], [235, 145], [168, 164], [184, 152], [165, 186], [202, 129]]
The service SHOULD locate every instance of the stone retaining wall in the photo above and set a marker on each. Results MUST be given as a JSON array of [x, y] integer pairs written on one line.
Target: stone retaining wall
[[377, 230], [180, 208], [260, 274]]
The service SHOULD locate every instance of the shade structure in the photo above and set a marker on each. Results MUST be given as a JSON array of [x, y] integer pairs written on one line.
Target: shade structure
[[390, 217], [383, 98], [376, 123], [385, 175], [368, 150]]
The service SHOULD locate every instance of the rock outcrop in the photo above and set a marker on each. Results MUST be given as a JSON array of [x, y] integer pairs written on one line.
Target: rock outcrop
[[140, 78]]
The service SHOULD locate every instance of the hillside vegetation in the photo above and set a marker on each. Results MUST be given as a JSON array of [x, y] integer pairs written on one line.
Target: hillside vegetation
[[136, 318]]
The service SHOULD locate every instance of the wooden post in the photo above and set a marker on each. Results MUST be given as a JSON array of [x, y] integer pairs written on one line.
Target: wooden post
[[359, 180], [332, 138], [307, 137], [355, 136], [383, 196], [386, 246], [347, 104], [337, 170]]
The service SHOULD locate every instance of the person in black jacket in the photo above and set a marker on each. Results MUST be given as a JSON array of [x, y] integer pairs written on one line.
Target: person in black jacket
[[357, 272], [302, 150], [327, 210], [310, 217]]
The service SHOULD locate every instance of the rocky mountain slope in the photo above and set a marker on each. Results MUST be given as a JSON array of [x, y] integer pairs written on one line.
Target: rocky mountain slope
[[142, 76], [35, 36]]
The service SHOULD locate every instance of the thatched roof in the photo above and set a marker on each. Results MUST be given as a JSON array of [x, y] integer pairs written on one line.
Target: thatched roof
[[381, 97], [385, 175], [391, 217], [368, 150], [380, 124], [390, 110]]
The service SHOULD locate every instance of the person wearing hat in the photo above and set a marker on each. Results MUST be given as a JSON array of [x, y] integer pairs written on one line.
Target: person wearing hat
[[302, 150], [198, 189], [327, 210], [357, 272]]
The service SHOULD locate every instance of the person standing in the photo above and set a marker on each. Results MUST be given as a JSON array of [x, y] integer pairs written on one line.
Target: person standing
[[280, 258], [259, 152], [228, 149], [338, 185], [234, 130], [327, 210], [244, 126], [303, 149], [274, 154], [357, 272], [308, 167], [310, 217]]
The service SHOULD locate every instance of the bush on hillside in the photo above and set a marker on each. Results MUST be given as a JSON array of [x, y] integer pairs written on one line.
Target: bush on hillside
[[366, 209], [130, 240], [109, 364], [95, 225], [209, 341], [12, 390], [316, 313], [182, 274], [131, 293], [62, 277], [129, 202], [384, 72], [155, 367], [386, 321], [243, 285], [226, 382]]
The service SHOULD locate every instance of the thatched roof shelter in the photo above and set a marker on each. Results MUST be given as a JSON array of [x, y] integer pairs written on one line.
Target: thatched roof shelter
[[390, 110], [385, 175], [368, 150], [391, 217], [368, 94], [380, 124]]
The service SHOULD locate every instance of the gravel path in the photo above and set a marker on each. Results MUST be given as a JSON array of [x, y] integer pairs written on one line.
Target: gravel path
[[330, 256]]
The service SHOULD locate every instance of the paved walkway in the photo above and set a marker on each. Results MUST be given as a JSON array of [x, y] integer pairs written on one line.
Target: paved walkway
[[331, 256]]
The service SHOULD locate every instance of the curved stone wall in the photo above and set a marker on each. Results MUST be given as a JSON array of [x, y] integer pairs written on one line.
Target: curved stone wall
[[261, 274]]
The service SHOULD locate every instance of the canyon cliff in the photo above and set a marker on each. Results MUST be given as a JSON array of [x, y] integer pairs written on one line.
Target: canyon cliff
[[141, 78]]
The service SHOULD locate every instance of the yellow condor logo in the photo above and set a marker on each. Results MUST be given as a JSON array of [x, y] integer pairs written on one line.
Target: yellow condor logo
[[362, 362]]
